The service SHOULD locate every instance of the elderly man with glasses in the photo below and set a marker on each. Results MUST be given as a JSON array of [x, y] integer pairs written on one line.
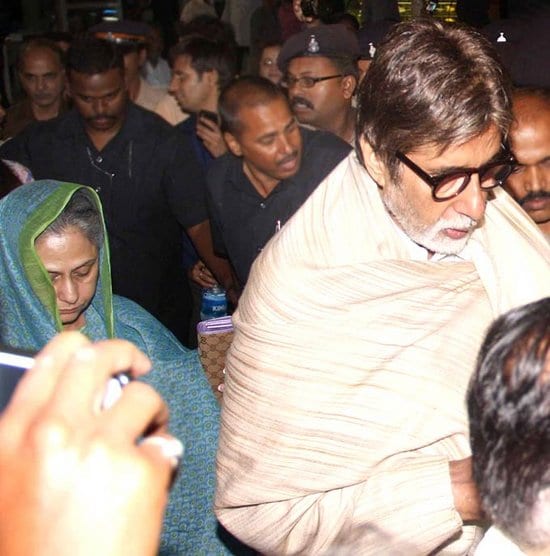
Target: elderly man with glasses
[[320, 71], [344, 427]]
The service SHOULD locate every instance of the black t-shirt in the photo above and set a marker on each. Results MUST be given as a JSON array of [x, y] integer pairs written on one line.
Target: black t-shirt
[[150, 184], [242, 220]]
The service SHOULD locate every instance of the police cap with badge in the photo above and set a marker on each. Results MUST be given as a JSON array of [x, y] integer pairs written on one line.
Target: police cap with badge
[[129, 36], [328, 41]]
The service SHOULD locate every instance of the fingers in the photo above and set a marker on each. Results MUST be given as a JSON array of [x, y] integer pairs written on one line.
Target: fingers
[[202, 275], [38, 383], [82, 385], [138, 412]]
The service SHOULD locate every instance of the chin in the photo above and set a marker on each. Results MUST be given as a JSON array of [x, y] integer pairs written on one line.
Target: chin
[[446, 246]]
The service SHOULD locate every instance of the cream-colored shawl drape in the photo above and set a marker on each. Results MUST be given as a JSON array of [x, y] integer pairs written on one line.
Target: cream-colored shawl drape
[[344, 397]]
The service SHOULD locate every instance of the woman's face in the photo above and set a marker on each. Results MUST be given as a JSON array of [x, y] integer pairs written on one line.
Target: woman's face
[[268, 64], [72, 262]]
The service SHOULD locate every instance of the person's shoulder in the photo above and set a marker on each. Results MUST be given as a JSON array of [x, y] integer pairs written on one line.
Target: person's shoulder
[[322, 152], [318, 138], [188, 126], [44, 134], [148, 119], [137, 325], [221, 170]]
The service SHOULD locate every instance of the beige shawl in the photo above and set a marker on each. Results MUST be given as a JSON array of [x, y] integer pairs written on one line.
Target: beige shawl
[[344, 398]]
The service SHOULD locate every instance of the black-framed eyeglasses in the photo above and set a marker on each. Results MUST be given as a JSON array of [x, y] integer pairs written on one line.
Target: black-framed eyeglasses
[[306, 81], [449, 185]]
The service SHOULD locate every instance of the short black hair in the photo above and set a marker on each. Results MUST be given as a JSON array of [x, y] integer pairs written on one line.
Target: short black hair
[[90, 55], [509, 411], [248, 91], [207, 55]]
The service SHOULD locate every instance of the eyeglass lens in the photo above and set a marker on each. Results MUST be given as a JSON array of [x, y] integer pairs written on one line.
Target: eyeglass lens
[[490, 177]]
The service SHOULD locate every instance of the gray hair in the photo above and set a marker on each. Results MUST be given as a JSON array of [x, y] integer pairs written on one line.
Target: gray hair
[[81, 213]]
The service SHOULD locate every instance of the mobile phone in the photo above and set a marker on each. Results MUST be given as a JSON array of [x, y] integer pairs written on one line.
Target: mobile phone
[[14, 362], [209, 115], [309, 8]]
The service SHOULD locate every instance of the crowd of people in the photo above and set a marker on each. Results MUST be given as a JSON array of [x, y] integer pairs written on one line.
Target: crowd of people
[[375, 204]]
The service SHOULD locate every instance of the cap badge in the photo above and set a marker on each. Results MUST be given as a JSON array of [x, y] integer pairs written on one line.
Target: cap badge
[[372, 50], [313, 45]]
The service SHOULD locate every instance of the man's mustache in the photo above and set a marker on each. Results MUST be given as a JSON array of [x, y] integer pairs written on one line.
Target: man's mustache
[[301, 100], [534, 196], [289, 158]]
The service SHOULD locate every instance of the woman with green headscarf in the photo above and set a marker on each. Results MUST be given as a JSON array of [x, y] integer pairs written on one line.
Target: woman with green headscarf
[[55, 275]]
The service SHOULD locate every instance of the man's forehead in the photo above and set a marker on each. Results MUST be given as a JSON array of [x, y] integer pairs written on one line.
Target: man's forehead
[[109, 78], [266, 117], [182, 60], [41, 55], [310, 63]]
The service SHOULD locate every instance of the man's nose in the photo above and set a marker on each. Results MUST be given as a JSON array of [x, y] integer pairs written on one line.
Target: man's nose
[[536, 179], [472, 201], [40, 83], [172, 88], [98, 106], [284, 145]]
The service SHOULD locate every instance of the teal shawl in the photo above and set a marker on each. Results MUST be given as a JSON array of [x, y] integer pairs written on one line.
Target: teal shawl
[[29, 318]]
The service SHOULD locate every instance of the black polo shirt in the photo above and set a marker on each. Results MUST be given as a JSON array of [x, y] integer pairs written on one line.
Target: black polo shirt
[[150, 184], [242, 220]]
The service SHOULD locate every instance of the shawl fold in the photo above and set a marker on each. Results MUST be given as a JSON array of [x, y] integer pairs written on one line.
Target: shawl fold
[[345, 389]]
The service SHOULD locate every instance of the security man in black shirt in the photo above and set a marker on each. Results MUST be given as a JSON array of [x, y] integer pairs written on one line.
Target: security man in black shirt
[[273, 166], [146, 175]]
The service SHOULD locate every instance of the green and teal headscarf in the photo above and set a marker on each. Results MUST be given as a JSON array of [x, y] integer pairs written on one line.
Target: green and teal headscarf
[[28, 307]]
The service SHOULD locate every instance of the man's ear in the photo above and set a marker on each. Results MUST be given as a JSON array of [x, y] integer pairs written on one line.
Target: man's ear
[[349, 84], [232, 144], [212, 77], [375, 167]]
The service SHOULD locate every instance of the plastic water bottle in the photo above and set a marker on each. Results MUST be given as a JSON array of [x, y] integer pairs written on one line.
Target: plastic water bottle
[[214, 303]]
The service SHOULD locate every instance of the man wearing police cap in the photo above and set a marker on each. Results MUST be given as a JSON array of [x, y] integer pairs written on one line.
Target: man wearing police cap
[[320, 70], [130, 37], [145, 173]]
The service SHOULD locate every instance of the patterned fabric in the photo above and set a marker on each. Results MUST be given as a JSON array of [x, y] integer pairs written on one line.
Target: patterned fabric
[[29, 318], [346, 378], [212, 352]]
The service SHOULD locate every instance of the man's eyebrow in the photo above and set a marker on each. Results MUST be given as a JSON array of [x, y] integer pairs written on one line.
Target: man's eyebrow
[[267, 136], [442, 171]]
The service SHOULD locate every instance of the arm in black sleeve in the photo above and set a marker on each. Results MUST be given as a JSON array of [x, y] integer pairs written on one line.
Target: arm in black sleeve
[[16, 149]]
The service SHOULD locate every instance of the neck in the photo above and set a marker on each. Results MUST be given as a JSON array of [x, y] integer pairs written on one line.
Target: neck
[[211, 103], [344, 125], [101, 138], [264, 185], [133, 88], [46, 112]]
